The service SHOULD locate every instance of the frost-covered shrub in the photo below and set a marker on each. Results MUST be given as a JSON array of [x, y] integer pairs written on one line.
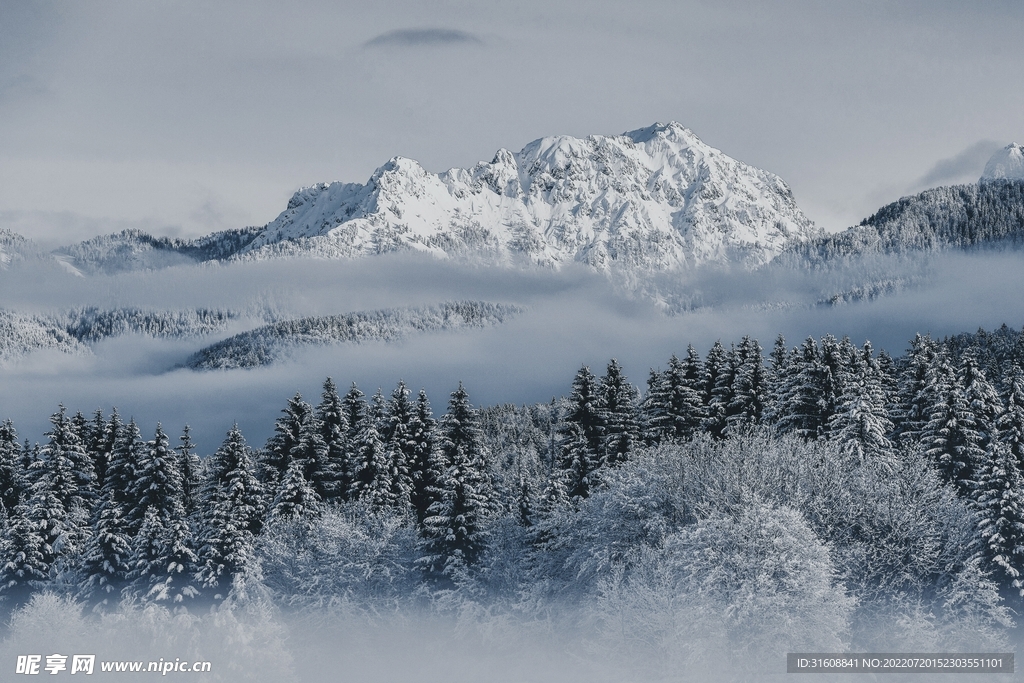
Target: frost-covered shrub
[[352, 557], [726, 588]]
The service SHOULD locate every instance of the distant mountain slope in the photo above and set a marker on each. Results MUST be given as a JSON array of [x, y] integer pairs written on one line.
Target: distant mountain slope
[[650, 200], [947, 217], [21, 334], [15, 248], [271, 343]]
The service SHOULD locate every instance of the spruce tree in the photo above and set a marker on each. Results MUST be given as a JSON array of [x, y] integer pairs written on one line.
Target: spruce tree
[[13, 485], [233, 513], [96, 447], [401, 444], [1011, 422], [982, 397], [454, 536], [861, 423], [913, 400], [426, 467], [334, 427], [354, 409], [620, 416], [296, 498], [951, 438], [157, 482], [190, 468], [1000, 503], [719, 373], [750, 388], [277, 454], [372, 478], [26, 563], [581, 435]]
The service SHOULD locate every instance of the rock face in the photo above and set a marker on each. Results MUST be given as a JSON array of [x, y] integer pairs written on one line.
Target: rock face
[[650, 200], [1006, 164]]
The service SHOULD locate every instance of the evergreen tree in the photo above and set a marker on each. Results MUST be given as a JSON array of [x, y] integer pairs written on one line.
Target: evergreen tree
[[190, 468], [750, 388], [277, 454], [1011, 422], [619, 414], [982, 398], [401, 445], [105, 562], [454, 537], [354, 409], [312, 455], [581, 436], [914, 403], [27, 557], [719, 373], [13, 485], [233, 506], [157, 483], [372, 482], [803, 408], [296, 498], [68, 467], [426, 467], [675, 397], [96, 448], [862, 420], [1000, 502], [951, 437], [334, 427]]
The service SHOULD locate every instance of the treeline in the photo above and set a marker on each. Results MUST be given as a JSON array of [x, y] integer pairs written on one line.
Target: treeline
[[269, 343], [556, 497]]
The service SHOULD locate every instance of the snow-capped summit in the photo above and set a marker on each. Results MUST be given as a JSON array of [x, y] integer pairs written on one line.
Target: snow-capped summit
[[1006, 164], [652, 199]]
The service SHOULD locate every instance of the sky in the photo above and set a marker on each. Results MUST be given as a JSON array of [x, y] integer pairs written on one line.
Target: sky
[[185, 117]]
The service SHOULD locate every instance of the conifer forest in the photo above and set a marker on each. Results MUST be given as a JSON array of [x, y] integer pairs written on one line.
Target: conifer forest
[[819, 496]]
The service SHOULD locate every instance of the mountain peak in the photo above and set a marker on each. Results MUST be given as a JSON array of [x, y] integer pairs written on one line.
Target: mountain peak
[[1006, 164]]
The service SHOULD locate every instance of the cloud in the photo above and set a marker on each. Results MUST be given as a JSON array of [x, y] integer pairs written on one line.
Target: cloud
[[965, 166], [416, 37]]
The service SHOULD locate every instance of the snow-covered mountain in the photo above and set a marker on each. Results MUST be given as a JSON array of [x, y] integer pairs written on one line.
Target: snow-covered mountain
[[652, 199], [1006, 164]]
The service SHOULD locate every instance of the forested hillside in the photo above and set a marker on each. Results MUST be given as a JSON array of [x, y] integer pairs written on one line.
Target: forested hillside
[[959, 216], [823, 497], [270, 343]]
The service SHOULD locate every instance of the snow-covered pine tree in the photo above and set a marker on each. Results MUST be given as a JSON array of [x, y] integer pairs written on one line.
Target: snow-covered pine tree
[[750, 388], [334, 427], [619, 413], [26, 564], [157, 483], [861, 423], [677, 396], [277, 454], [401, 444], [911, 416], [372, 482], [296, 498], [427, 466], [800, 410], [191, 469], [354, 409], [69, 468], [951, 437], [311, 453], [653, 417], [719, 373], [1011, 422], [1000, 502], [454, 536], [581, 435], [96, 447], [104, 569], [233, 510], [982, 397], [13, 485]]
